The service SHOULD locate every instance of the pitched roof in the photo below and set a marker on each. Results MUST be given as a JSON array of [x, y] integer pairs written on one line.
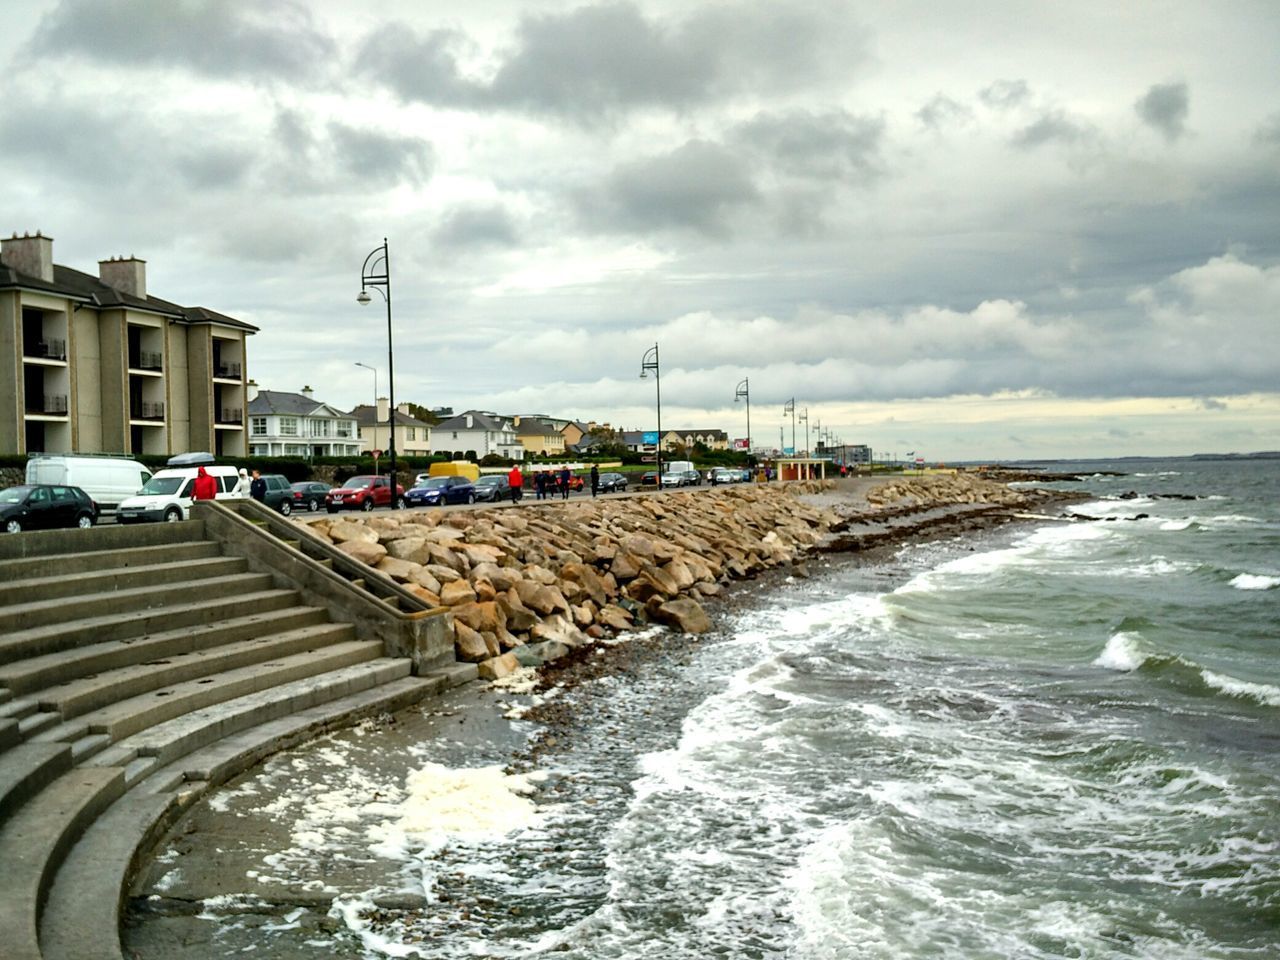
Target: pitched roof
[[79, 285], [479, 421], [535, 427], [686, 434], [367, 416], [292, 404]]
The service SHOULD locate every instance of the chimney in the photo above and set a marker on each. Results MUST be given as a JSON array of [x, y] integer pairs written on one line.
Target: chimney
[[30, 255], [307, 391], [125, 274], [251, 391], [515, 421], [470, 421], [403, 408], [384, 409]]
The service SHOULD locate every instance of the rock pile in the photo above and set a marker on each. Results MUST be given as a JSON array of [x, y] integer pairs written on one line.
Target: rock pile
[[938, 489], [523, 585]]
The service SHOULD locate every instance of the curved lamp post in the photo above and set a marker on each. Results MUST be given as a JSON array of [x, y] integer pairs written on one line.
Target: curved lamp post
[[650, 362], [790, 407], [743, 392], [376, 273], [805, 417]]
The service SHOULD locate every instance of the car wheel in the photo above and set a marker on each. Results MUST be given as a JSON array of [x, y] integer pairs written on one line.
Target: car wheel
[[286, 507], [172, 515], [13, 526], [401, 503], [313, 506], [84, 521], [367, 505], [471, 498]]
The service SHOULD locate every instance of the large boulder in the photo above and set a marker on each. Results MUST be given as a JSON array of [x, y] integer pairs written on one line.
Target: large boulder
[[445, 535], [685, 614], [625, 566], [477, 553], [495, 668], [519, 617], [502, 578], [482, 616], [586, 577], [468, 645], [413, 549], [457, 592], [424, 578], [344, 531], [401, 570], [364, 551]]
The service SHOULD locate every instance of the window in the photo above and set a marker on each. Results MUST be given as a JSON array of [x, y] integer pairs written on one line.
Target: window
[[411, 433], [288, 426], [344, 428], [258, 426]]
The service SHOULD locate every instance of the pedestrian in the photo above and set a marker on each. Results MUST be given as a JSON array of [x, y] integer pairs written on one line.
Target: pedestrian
[[595, 480], [564, 483], [242, 484], [540, 483], [205, 486], [516, 479], [258, 487]]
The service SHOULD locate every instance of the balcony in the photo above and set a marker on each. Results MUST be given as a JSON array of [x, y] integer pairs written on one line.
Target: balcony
[[47, 349], [146, 360], [231, 416], [147, 410], [50, 406], [227, 371]]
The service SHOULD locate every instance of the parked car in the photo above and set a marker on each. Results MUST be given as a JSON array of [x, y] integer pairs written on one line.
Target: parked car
[[364, 493], [107, 480], [682, 478], [437, 491], [279, 494], [725, 475], [673, 479], [308, 495], [45, 506], [613, 482], [493, 487], [167, 495], [649, 478]]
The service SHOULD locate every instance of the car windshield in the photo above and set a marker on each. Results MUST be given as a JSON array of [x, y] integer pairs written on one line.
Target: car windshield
[[299, 486], [357, 483], [435, 483], [14, 494], [488, 481], [162, 486]]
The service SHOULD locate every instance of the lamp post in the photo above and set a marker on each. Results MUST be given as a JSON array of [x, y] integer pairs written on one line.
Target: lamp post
[[805, 417], [790, 408], [650, 362], [379, 259], [373, 441], [743, 392]]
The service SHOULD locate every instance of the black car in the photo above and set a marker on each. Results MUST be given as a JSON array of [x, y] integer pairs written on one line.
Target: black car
[[612, 482], [493, 487], [45, 506], [308, 495]]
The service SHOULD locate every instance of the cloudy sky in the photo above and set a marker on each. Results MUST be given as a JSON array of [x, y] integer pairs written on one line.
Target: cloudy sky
[[1005, 229]]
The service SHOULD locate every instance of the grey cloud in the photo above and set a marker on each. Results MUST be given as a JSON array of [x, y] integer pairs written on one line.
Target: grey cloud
[[219, 39], [423, 68], [1269, 130], [476, 226], [942, 111], [378, 158], [1005, 94], [698, 187], [834, 145], [1209, 403], [1054, 126], [1164, 107]]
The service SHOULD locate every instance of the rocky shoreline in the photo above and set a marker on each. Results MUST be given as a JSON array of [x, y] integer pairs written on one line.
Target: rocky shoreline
[[526, 586]]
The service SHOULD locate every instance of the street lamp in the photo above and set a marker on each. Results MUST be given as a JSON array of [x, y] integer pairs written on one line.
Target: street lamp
[[373, 442], [805, 417], [743, 392], [379, 258], [650, 362], [790, 408]]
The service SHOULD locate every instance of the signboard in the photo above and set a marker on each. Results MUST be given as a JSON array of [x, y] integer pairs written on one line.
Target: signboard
[[649, 438], [377, 454], [740, 444], [788, 451]]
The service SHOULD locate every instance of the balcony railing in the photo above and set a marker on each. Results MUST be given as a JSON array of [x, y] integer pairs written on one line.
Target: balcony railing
[[231, 415], [53, 406], [146, 360], [227, 371], [48, 349], [148, 410]]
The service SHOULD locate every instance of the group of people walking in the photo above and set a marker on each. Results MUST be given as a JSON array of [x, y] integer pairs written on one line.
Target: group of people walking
[[548, 483]]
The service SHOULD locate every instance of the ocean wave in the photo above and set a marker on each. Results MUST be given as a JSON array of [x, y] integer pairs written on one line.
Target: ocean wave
[[1263, 693], [1124, 653], [1255, 581], [1127, 652]]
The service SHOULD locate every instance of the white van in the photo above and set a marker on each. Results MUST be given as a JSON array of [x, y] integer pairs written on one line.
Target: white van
[[107, 480], [167, 495]]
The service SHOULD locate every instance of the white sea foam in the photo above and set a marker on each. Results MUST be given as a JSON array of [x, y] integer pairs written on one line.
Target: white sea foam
[[1173, 526], [1263, 693], [1255, 581], [1123, 652]]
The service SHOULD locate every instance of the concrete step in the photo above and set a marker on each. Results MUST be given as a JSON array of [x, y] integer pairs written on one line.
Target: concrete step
[[81, 917], [105, 538], [34, 842], [168, 742], [63, 585], [37, 673], [18, 709], [53, 638], [126, 717], [72, 564], [9, 735], [40, 613], [34, 723], [26, 769], [89, 693]]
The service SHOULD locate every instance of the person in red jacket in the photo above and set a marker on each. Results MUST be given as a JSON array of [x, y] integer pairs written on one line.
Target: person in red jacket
[[516, 479], [205, 487]]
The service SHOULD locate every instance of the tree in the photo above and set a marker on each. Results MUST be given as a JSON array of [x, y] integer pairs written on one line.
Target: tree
[[420, 412]]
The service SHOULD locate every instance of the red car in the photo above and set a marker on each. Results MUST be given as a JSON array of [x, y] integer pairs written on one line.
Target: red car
[[363, 493]]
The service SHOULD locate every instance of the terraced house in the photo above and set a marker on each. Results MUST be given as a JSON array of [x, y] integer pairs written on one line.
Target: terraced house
[[97, 364]]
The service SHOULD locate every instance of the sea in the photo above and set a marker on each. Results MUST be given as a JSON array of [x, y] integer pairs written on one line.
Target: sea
[[1057, 739]]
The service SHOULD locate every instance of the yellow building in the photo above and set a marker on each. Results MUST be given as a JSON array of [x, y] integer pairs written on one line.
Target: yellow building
[[539, 436], [97, 364]]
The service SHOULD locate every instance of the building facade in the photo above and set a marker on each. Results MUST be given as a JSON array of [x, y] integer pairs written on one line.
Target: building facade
[[538, 436], [98, 365], [412, 435], [298, 425], [477, 430]]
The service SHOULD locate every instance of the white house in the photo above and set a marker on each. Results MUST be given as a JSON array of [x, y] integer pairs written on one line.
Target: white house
[[296, 425], [485, 433]]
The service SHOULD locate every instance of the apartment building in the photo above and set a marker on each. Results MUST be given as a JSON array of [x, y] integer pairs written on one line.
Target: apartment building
[[97, 364], [298, 425]]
